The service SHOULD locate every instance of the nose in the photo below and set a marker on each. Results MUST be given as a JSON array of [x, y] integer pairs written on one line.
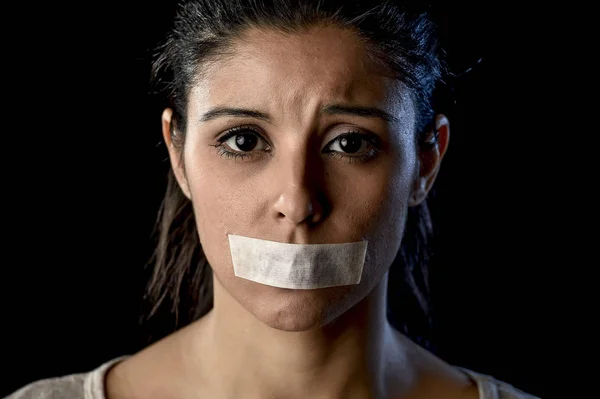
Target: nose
[[299, 198]]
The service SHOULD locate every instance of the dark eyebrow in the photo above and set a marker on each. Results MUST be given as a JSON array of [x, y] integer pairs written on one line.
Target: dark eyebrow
[[333, 109], [369, 112], [237, 112]]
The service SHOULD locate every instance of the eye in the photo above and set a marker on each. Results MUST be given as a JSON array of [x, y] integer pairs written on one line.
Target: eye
[[350, 143], [244, 139], [354, 146]]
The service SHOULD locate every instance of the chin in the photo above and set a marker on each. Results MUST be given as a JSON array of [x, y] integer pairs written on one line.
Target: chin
[[297, 310]]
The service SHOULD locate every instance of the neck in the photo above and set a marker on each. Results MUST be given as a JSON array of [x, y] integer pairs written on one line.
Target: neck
[[348, 358]]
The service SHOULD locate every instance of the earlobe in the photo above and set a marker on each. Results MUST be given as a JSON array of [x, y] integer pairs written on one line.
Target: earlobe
[[430, 159], [175, 153]]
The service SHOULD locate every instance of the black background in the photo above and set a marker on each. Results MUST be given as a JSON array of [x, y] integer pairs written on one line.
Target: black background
[[84, 176]]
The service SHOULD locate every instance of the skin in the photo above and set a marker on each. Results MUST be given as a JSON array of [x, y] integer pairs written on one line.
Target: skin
[[265, 342]]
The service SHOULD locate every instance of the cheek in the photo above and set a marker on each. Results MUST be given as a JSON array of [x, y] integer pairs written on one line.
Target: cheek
[[376, 205], [208, 197], [225, 201], [373, 201]]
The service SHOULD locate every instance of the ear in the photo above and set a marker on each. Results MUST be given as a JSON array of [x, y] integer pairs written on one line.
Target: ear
[[430, 158], [175, 154]]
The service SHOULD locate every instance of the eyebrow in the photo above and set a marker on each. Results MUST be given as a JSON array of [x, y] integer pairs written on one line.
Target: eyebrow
[[333, 109]]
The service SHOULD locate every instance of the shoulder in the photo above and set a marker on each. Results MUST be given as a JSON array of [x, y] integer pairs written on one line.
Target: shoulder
[[70, 386], [88, 385], [506, 391], [491, 388]]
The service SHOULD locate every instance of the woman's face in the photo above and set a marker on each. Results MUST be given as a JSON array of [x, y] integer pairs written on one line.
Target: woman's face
[[323, 151]]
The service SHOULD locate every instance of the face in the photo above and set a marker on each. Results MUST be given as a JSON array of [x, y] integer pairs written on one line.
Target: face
[[298, 162]]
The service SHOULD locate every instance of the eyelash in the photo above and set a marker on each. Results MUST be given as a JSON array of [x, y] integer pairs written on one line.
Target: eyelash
[[371, 138]]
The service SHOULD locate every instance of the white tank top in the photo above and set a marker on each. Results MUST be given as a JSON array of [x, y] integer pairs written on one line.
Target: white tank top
[[90, 385]]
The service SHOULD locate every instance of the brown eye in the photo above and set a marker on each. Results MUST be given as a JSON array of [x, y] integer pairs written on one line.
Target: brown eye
[[350, 143], [243, 140]]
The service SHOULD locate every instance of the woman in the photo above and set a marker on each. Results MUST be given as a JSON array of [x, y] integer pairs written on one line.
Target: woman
[[303, 139]]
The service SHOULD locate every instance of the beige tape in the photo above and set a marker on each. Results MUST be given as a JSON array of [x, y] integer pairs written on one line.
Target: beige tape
[[297, 266]]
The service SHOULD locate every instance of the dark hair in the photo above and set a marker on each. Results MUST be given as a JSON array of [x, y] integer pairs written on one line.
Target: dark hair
[[400, 40]]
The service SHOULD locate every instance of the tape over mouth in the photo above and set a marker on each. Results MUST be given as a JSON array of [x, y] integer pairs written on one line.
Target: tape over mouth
[[297, 266]]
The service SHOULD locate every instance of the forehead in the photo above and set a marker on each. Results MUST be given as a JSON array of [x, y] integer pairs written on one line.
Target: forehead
[[323, 64]]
